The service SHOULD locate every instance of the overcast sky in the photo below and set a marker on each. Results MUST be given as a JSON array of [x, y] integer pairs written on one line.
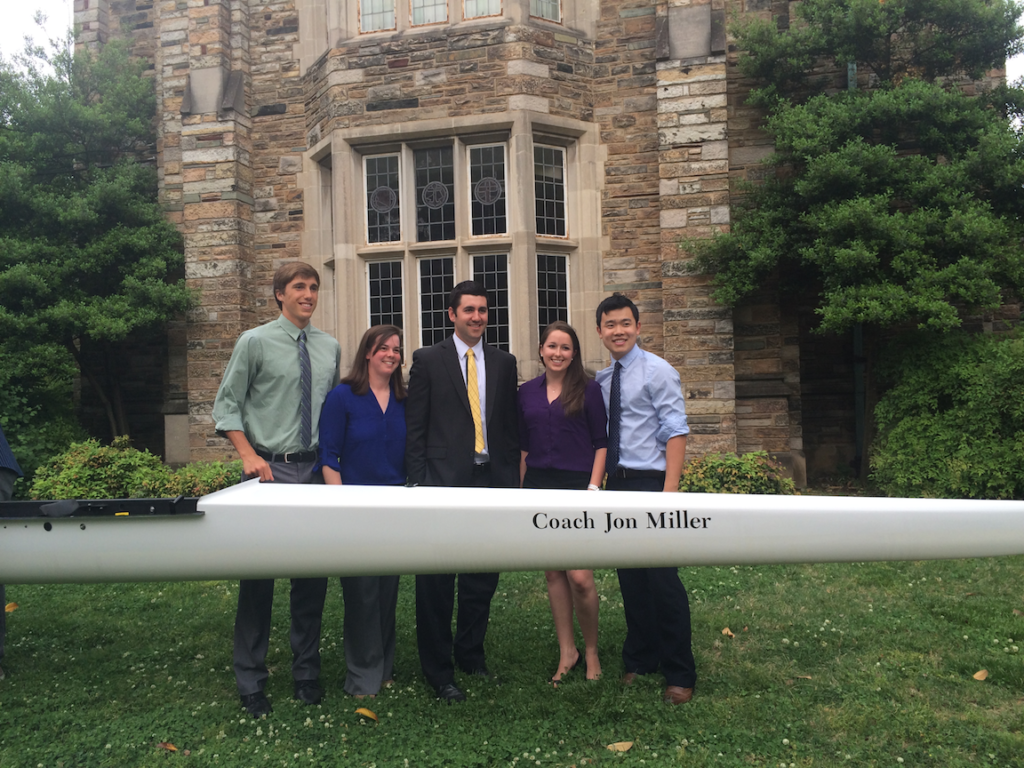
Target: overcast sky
[[16, 22]]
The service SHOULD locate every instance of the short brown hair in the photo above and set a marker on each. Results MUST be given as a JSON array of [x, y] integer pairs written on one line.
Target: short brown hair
[[288, 272]]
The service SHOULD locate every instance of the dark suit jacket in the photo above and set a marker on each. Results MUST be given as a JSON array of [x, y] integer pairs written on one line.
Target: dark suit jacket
[[439, 424]]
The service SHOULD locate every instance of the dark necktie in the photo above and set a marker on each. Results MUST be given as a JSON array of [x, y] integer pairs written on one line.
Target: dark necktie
[[614, 419], [306, 400]]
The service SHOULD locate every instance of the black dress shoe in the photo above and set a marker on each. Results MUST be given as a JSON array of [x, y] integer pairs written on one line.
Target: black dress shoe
[[256, 704], [450, 692], [308, 691], [481, 671]]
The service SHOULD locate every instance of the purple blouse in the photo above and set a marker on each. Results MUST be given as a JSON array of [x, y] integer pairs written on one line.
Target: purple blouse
[[553, 441]]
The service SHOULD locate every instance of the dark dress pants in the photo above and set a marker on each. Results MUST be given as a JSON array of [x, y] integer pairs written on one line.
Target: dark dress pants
[[255, 600], [435, 603], [657, 612]]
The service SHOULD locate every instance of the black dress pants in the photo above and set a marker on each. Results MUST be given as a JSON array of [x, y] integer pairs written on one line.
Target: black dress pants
[[435, 605], [657, 612]]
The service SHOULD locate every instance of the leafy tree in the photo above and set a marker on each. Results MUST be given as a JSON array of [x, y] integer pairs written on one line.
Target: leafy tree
[[943, 433], [87, 259], [899, 203]]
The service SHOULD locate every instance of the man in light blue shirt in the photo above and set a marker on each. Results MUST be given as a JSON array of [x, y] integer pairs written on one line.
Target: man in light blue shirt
[[646, 448]]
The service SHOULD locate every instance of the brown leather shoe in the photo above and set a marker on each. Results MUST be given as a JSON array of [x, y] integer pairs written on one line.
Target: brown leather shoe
[[629, 678], [676, 695]]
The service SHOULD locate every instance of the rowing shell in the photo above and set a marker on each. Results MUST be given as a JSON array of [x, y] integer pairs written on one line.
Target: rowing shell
[[258, 530]]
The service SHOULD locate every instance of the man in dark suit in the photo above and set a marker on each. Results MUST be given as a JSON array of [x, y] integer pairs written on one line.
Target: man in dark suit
[[462, 430]]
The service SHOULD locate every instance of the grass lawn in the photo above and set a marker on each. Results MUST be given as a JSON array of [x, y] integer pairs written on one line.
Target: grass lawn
[[854, 665]]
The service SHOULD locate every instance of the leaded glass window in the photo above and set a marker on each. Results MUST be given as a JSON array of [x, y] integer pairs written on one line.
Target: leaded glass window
[[549, 189], [429, 11], [437, 278], [552, 289], [475, 9], [376, 15], [435, 194], [383, 219], [385, 284], [492, 272], [546, 9], [487, 190]]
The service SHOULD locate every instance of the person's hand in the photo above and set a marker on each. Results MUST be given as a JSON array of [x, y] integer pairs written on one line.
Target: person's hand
[[257, 466]]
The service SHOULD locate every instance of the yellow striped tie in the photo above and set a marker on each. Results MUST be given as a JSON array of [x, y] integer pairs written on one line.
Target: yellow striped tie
[[474, 400]]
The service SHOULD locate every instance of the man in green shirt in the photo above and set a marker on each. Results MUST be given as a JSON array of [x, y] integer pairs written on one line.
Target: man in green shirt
[[268, 406]]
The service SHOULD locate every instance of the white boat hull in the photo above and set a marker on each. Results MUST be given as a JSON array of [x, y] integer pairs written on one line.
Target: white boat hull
[[277, 531]]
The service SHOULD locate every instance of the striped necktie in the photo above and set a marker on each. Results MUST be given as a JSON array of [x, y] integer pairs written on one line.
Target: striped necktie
[[473, 390], [306, 400]]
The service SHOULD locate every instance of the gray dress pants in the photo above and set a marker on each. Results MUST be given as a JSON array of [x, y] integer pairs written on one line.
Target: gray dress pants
[[255, 599], [370, 603]]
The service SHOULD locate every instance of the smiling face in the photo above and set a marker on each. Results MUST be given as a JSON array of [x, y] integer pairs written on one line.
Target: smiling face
[[619, 331], [470, 318], [557, 352], [298, 300], [385, 359]]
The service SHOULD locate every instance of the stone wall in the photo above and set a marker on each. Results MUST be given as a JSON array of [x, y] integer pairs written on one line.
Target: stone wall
[[450, 72], [237, 118]]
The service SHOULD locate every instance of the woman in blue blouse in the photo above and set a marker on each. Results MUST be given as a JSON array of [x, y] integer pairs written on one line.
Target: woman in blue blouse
[[362, 442], [563, 433]]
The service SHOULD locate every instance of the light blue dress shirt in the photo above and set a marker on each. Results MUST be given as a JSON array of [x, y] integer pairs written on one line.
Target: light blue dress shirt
[[653, 410]]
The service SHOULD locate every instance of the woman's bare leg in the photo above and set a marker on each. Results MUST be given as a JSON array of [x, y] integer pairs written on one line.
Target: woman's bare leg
[[584, 598], [561, 599]]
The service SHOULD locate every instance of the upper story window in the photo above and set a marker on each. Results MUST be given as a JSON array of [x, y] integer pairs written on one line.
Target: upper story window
[[478, 9], [383, 200], [391, 15], [376, 15], [428, 12], [435, 194], [444, 179], [546, 9], [487, 189], [549, 189], [501, 204]]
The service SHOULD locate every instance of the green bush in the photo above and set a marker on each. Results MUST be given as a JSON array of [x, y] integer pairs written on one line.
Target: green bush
[[89, 470], [952, 423], [198, 479], [753, 472]]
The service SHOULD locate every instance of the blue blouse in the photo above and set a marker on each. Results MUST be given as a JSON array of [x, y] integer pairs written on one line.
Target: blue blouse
[[366, 446]]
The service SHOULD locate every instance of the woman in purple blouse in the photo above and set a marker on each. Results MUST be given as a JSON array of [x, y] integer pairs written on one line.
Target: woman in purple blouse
[[563, 433]]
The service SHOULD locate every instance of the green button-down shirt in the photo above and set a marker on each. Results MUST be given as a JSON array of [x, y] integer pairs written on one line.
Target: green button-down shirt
[[259, 394]]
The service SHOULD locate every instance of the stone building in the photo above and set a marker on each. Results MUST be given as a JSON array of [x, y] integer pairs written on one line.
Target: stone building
[[557, 150]]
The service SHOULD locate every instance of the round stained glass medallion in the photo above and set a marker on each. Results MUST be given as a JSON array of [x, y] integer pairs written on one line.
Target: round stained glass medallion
[[383, 199], [434, 195], [487, 191]]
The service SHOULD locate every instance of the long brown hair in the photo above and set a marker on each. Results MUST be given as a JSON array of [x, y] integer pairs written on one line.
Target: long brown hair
[[359, 374], [574, 385]]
